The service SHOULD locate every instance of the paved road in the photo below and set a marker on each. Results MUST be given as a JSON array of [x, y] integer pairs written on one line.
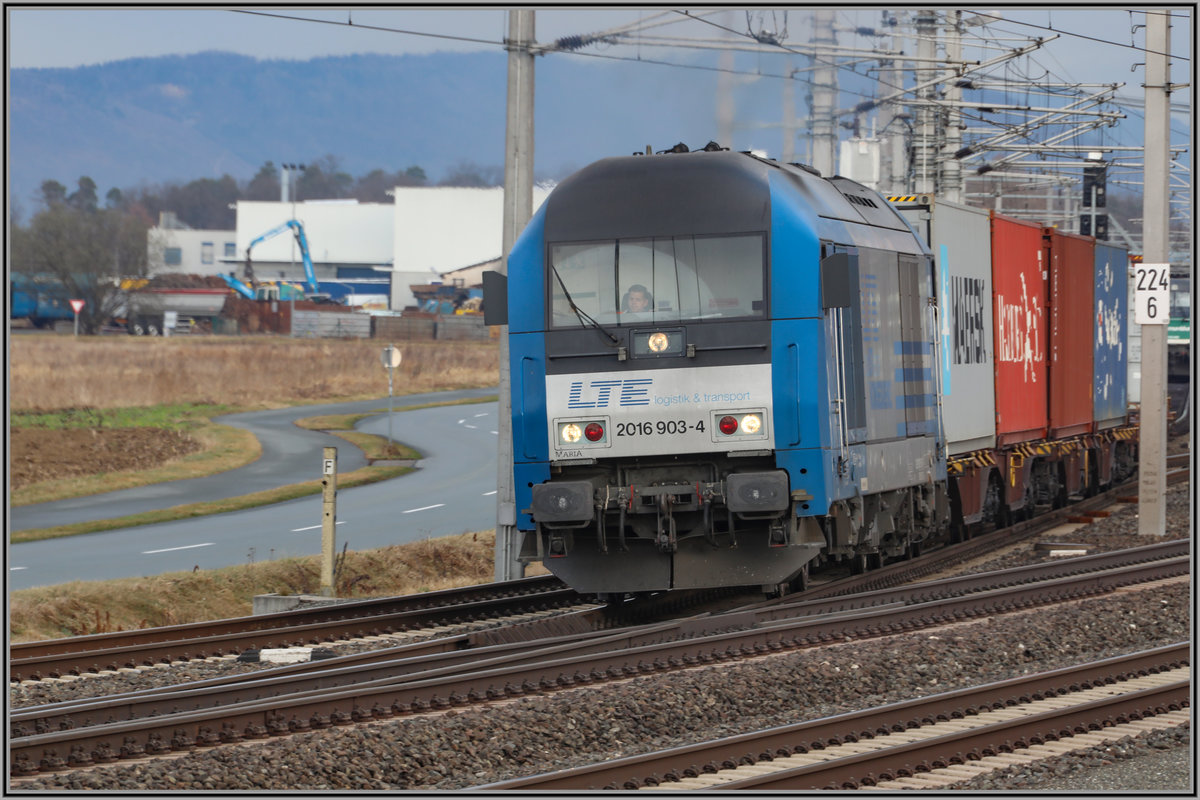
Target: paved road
[[453, 490], [289, 455]]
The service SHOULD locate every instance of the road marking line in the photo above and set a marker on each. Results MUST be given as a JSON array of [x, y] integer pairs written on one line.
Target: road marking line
[[315, 527], [461, 421], [185, 547], [489, 494], [472, 427], [14, 569], [422, 508], [495, 433], [481, 415]]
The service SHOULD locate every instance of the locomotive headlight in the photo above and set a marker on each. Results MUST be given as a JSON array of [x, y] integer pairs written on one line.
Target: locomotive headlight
[[661, 343], [740, 426], [570, 434]]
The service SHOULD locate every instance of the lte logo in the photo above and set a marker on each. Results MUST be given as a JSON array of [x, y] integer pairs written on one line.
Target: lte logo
[[629, 392]]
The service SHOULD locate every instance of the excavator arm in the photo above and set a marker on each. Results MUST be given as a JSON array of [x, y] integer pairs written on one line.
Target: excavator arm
[[297, 230]]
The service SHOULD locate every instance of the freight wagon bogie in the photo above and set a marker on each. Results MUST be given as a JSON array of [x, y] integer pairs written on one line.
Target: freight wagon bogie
[[1025, 480]]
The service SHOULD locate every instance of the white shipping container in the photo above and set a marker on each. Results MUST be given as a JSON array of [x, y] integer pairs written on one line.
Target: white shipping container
[[960, 238]]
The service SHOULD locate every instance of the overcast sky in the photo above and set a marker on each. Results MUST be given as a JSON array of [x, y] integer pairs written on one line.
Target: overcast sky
[[1097, 44], [74, 36], [70, 37]]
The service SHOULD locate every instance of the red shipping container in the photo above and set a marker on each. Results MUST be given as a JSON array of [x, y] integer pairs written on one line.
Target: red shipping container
[[1072, 348], [1019, 288]]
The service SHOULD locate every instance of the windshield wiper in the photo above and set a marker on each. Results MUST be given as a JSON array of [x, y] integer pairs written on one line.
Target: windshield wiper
[[584, 318]]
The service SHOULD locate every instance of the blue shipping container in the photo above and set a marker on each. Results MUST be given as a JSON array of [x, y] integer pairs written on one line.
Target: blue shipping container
[[1111, 359]]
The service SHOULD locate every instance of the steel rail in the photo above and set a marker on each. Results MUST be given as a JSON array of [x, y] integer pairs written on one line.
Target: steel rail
[[855, 771], [727, 753]]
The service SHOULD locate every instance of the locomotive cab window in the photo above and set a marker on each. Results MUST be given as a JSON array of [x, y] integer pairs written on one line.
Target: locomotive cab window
[[652, 281]]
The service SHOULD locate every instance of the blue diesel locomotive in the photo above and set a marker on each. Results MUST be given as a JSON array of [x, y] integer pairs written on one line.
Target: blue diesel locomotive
[[722, 374]]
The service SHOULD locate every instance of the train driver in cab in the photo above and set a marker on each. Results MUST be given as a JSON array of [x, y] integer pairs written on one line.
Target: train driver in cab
[[637, 303]]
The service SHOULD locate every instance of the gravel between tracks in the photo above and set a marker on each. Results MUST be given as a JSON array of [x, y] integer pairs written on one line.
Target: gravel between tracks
[[461, 749]]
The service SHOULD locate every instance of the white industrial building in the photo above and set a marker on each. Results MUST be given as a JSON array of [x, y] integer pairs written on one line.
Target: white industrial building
[[176, 247], [443, 229], [364, 251]]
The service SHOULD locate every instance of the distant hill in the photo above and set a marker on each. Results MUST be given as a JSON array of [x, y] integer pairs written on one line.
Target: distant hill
[[179, 118]]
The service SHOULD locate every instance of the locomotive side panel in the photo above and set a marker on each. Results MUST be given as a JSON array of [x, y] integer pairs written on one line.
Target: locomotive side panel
[[527, 364], [901, 425], [1019, 278], [810, 433], [1110, 356], [1072, 276]]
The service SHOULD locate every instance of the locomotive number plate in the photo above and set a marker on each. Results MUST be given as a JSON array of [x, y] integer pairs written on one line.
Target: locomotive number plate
[[659, 427]]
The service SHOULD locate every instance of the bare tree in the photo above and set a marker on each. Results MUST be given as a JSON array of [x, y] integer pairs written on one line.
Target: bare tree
[[83, 253]]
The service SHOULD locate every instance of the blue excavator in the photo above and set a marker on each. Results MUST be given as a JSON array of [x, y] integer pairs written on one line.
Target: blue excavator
[[254, 290]]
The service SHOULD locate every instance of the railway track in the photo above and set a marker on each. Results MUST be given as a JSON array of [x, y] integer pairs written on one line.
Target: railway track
[[295, 700], [309, 626], [880, 746]]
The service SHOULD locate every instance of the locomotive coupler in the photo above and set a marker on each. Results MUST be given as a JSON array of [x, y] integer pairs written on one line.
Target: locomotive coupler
[[667, 541], [777, 534], [623, 501]]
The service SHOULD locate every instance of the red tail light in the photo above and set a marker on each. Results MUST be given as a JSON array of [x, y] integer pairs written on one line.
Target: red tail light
[[728, 425], [594, 432]]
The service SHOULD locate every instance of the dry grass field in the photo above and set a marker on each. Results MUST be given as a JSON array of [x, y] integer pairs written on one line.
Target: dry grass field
[[58, 372]]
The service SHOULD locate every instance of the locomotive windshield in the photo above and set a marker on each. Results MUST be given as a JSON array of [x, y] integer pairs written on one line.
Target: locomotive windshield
[[667, 279]]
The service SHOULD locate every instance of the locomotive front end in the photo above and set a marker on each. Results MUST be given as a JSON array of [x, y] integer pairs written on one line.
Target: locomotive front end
[[641, 356]]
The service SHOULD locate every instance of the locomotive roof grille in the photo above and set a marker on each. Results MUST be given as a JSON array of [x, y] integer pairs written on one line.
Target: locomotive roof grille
[[861, 201]]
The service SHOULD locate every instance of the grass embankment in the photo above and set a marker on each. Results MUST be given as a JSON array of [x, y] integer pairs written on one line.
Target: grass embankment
[[80, 608]]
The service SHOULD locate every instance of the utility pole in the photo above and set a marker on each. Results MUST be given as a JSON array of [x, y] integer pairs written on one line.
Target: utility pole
[[725, 111], [1156, 220], [788, 154], [891, 75], [518, 208], [824, 95], [951, 179], [925, 145]]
